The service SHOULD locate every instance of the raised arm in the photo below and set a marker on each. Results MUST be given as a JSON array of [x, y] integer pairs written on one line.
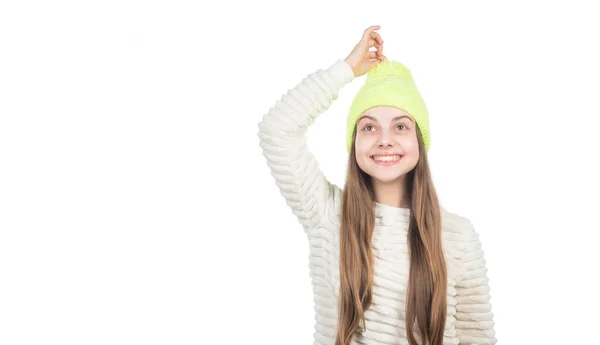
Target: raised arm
[[282, 130], [474, 317], [282, 134]]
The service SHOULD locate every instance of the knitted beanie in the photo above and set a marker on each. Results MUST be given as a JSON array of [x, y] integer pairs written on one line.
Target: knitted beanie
[[389, 83]]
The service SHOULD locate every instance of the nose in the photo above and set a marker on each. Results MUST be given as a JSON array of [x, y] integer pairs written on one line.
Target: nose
[[385, 140], [384, 143]]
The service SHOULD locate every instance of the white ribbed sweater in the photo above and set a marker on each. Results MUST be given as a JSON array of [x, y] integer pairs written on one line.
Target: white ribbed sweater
[[316, 203]]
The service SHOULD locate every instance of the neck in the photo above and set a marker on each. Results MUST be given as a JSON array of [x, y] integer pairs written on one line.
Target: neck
[[391, 193]]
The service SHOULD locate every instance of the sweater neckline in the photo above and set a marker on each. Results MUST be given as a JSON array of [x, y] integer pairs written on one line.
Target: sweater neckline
[[389, 214]]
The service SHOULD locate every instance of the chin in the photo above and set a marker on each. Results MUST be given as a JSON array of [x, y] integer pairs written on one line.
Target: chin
[[387, 179]]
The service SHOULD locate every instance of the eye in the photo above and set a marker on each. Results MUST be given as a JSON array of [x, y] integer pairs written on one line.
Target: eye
[[366, 126]]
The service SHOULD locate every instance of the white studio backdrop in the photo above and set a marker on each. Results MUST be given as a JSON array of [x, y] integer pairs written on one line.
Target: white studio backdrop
[[136, 207]]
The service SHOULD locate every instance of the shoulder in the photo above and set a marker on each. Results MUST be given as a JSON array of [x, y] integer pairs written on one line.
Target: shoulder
[[454, 222], [458, 228]]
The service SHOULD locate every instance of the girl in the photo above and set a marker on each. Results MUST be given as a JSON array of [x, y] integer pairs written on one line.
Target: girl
[[389, 264]]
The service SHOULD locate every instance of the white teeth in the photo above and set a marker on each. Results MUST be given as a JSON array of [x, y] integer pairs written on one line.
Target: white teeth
[[386, 158]]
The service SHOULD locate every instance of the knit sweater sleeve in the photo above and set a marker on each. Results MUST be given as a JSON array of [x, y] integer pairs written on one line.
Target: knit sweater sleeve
[[474, 317], [282, 133]]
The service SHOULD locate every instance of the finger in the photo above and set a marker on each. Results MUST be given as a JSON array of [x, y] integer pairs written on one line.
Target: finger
[[371, 28], [371, 43], [377, 37], [367, 33], [373, 54], [375, 62], [379, 48]]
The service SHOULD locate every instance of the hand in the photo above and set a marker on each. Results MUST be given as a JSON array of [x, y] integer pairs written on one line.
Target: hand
[[361, 59]]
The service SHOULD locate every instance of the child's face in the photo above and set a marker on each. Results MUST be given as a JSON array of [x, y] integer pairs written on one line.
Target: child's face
[[383, 134]]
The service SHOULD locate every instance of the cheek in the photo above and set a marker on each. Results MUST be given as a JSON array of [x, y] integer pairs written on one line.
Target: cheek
[[362, 149], [364, 143], [411, 148], [411, 144]]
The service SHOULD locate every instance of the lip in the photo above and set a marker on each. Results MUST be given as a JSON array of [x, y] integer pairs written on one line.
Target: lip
[[387, 163], [386, 154]]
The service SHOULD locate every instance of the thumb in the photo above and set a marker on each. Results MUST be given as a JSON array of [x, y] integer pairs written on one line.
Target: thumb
[[375, 62]]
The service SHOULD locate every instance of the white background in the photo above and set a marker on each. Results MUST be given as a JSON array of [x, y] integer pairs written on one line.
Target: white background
[[136, 207]]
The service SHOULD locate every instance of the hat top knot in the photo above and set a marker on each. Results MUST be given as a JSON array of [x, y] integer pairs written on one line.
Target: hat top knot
[[389, 68]]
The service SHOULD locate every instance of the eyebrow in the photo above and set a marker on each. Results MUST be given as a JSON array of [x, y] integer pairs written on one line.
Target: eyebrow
[[394, 119]]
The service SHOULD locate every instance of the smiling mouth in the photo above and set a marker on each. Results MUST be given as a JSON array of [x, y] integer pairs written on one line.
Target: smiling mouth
[[387, 160]]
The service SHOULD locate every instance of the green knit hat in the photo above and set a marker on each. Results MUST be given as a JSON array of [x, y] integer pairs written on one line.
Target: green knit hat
[[389, 83]]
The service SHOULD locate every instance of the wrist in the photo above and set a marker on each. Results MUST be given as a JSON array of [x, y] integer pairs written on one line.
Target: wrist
[[352, 67]]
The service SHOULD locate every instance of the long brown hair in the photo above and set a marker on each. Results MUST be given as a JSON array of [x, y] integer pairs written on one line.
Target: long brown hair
[[427, 281]]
